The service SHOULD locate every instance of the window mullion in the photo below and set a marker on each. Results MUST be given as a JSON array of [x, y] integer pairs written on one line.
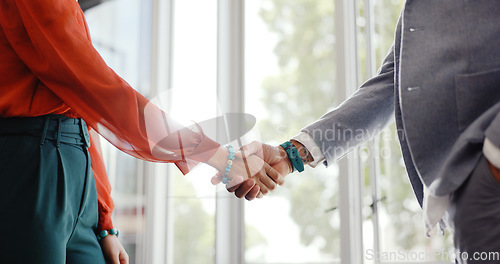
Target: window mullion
[[229, 233], [373, 162], [159, 228], [349, 173]]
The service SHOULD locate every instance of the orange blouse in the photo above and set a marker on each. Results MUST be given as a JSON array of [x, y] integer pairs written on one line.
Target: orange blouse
[[48, 65]]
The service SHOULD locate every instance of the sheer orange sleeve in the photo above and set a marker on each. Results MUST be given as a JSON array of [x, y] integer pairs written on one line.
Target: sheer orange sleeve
[[52, 40], [104, 202], [61, 55]]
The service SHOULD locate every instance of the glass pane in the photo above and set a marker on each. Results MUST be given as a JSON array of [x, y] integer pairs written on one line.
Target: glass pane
[[401, 233], [193, 98], [289, 82], [117, 30]]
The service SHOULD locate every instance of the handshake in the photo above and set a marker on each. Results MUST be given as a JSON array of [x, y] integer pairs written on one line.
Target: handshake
[[257, 168]]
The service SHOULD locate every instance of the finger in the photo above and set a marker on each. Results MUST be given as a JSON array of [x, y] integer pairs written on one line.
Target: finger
[[244, 188], [253, 193], [274, 175], [234, 183], [216, 179], [249, 149], [265, 182], [124, 257], [260, 195]]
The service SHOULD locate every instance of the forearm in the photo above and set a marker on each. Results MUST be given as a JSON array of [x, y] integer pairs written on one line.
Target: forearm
[[359, 118]]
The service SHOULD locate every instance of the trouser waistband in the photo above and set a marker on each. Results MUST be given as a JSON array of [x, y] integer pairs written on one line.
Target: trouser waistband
[[57, 128]]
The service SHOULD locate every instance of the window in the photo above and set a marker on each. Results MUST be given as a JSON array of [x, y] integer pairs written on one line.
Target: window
[[286, 63], [290, 81], [193, 97], [119, 32], [392, 218]]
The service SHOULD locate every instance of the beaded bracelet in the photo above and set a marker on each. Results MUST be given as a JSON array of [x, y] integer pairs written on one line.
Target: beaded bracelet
[[230, 158], [105, 233]]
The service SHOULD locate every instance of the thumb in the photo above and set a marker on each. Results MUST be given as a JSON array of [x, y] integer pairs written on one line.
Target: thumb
[[249, 149], [216, 179], [123, 258]]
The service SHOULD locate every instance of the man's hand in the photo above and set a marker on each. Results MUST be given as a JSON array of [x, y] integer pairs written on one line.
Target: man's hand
[[263, 176], [113, 251], [274, 156]]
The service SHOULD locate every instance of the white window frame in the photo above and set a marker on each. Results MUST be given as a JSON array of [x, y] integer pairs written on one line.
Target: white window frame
[[230, 228], [351, 238]]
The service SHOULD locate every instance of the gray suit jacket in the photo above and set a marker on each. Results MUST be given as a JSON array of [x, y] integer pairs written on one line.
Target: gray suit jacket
[[441, 79]]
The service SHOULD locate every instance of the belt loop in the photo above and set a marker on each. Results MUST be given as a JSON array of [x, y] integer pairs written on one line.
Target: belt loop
[[85, 133], [59, 128], [45, 128]]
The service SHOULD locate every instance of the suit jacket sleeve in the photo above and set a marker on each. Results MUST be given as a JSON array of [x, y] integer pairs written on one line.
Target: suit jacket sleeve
[[359, 118]]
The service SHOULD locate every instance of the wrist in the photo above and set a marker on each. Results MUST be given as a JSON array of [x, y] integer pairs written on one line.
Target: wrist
[[219, 159], [304, 153], [106, 233]]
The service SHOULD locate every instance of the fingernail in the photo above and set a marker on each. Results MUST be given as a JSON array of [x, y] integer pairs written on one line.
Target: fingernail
[[260, 195], [281, 180], [214, 180]]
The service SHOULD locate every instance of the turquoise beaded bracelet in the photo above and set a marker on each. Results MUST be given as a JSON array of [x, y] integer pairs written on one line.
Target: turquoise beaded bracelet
[[105, 233], [230, 158]]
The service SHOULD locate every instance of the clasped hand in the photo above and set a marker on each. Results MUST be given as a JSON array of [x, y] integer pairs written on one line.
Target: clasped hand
[[257, 169]]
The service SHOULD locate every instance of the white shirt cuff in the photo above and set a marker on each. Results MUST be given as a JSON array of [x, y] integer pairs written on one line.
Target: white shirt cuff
[[308, 142], [491, 152], [434, 208]]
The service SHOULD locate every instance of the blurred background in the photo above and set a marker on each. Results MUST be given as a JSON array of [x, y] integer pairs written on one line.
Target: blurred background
[[286, 62]]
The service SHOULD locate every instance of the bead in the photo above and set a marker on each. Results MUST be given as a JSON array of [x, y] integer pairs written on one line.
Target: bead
[[230, 158], [103, 233]]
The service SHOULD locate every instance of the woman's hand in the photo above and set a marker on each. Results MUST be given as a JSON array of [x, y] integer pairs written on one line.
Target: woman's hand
[[113, 251]]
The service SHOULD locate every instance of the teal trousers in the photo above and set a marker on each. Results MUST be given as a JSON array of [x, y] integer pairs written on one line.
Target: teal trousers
[[48, 200]]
